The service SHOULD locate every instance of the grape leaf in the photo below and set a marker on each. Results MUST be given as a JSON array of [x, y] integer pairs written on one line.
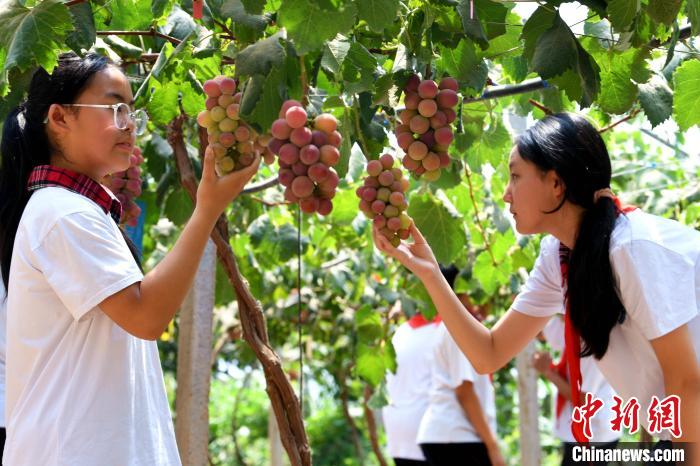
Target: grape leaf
[[463, 64], [235, 10], [485, 12], [656, 99], [540, 21], [556, 50], [163, 105], [311, 23], [260, 57], [441, 226], [379, 14], [131, 15], [664, 11], [32, 36], [84, 23], [686, 99], [621, 13], [692, 10]]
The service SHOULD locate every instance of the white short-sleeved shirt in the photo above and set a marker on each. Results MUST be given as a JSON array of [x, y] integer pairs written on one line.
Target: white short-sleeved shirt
[[445, 420], [81, 391], [656, 264], [408, 389], [3, 326], [592, 382]]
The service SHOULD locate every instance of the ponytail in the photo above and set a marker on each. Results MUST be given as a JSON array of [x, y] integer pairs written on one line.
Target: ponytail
[[594, 303], [25, 143], [573, 148]]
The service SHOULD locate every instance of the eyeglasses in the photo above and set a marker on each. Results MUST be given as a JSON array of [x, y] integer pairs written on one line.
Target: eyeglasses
[[122, 115]]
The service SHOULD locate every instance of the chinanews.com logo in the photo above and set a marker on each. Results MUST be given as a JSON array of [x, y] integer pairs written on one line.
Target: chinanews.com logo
[[592, 454]]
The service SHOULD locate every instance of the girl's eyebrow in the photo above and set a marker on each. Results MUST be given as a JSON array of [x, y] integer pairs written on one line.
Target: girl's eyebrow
[[119, 97]]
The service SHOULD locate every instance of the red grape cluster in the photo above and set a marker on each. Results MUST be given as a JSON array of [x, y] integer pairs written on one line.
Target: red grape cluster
[[233, 142], [383, 199], [126, 186], [306, 157], [425, 132]]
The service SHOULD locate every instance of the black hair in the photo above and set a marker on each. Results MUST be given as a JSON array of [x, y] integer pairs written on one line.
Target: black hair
[[25, 143], [573, 148], [450, 273]]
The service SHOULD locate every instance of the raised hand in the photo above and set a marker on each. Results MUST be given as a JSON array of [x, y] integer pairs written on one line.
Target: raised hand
[[416, 256], [214, 192]]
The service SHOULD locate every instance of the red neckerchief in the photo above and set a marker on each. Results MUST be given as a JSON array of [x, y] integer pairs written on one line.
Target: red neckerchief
[[571, 359], [44, 176], [418, 321]]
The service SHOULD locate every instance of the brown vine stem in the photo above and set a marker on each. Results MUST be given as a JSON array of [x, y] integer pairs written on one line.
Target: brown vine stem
[[541, 106], [631, 115], [479, 225], [345, 403], [283, 400], [151, 32], [372, 427]]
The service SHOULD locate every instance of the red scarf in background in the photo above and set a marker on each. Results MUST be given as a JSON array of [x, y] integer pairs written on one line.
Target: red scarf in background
[[571, 359]]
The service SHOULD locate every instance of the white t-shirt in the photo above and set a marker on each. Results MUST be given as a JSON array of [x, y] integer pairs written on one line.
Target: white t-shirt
[[656, 264], [81, 391], [445, 420], [3, 337], [408, 389], [592, 382]]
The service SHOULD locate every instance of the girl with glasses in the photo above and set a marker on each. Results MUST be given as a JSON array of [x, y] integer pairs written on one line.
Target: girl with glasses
[[84, 385]]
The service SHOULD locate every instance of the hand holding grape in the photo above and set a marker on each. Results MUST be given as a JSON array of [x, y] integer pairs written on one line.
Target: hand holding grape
[[416, 256]]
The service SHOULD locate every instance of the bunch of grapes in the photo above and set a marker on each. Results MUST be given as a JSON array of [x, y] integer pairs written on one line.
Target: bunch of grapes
[[425, 132], [126, 186], [383, 199], [306, 157], [233, 142]]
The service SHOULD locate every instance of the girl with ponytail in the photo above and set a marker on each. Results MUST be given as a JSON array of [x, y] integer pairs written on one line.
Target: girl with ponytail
[[628, 282], [83, 380]]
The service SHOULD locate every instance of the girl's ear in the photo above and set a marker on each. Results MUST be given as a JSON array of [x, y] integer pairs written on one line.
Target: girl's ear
[[557, 184], [57, 118]]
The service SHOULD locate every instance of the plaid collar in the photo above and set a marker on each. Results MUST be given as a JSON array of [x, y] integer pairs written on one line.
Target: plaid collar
[[44, 176]]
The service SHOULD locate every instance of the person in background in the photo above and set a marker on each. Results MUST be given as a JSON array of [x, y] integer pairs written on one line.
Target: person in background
[[408, 389], [459, 426], [593, 382]]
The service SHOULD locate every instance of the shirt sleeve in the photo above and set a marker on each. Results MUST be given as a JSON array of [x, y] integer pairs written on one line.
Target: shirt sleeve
[[656, 286], [542, 294], [85, 260], [459, 368]]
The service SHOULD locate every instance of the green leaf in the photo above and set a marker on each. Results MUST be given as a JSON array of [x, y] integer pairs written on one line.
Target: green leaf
[[346, 129], [621, 13], [370, 364], [271, 99], [555, 51], [540, 21], [379, 14], [310, 24], [441, 225], [692, 10], [656, 99], [235, 10], [124, 48], [32, 36], [344, 207], [664, 11], [368, 324], [274, 245], [589, 71], [334, 54], [178, 207], [84, 35], [163, 105], [192, 100], [686, 99], [617, 91], [486, 12], [358, 69], [254, 7], [261, 57], [464, 65], [131, 15]]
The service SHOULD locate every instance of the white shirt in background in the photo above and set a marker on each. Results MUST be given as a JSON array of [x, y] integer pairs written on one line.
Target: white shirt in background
[[81, 391], [445, 420], [409, 389], [656, 263], [592, 382], [3, 338]]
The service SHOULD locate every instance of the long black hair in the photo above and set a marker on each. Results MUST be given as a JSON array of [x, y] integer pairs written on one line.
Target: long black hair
[[573, 148], [25, 143]]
